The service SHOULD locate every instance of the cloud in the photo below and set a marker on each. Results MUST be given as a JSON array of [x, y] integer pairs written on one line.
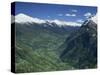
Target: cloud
[[74, 10], [70, 15], [87, 15], [60, 14], [80, 21]]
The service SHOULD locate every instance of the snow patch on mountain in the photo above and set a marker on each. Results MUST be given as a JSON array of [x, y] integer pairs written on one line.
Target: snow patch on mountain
[[64, 23], [92, 18], [95, 19], [23, 18]]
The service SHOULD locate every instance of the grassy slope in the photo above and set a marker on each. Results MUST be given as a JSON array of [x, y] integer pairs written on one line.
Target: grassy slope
[[36, 49]]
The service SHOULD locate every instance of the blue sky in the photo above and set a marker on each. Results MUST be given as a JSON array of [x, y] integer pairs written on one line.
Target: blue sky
[[55, 11]]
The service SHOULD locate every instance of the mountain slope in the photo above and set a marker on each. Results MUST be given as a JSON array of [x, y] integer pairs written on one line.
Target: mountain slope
[[36, 45], [38, 39], [35, 48], [80, 48]]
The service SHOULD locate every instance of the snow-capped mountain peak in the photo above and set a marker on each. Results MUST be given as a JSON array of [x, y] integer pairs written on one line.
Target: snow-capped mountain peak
[[22, 18], [94, 19]]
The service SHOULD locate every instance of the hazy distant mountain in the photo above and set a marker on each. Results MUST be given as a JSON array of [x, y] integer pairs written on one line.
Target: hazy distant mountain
[[80, 48]]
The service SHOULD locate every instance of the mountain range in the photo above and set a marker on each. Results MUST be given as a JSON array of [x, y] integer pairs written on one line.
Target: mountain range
[[81, 46], [48, 45], [23, 18]]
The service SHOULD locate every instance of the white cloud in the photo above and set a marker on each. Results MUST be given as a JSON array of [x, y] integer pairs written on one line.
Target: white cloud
[[74, 10], [73, 14], [67, 14], [87, 15], [70, 15], [60, 14], [80, 21]]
